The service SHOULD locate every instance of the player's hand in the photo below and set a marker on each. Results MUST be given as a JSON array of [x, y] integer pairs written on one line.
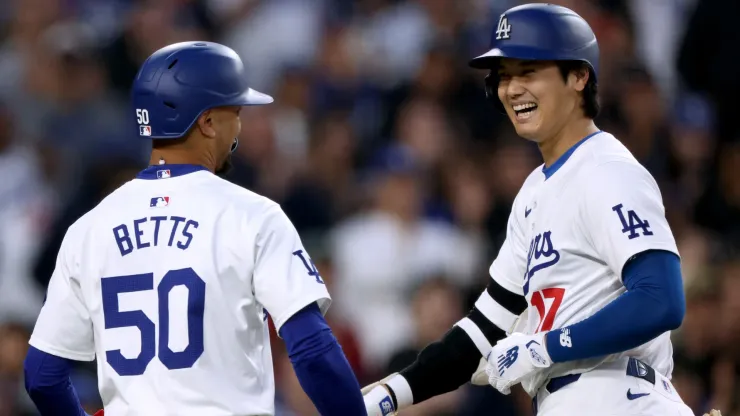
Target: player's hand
[[516, 357], [378, 400], [713, 412]]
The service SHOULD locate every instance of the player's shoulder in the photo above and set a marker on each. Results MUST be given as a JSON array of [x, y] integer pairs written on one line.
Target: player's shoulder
[[606, 159], [608, 168], [224, 192]]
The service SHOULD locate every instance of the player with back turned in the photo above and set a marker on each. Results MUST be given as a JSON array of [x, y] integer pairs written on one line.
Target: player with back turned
[[587, 285], [169, 280]]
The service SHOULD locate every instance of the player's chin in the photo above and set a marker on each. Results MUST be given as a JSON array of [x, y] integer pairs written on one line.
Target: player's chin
[[529, 131], [525, 121]]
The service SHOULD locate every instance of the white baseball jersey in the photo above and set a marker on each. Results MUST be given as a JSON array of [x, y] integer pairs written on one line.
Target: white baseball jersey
[[573, 227], [166, 282]]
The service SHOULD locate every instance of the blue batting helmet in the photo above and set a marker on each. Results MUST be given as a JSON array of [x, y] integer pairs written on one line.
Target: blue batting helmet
[[539, 32], [177, 83]]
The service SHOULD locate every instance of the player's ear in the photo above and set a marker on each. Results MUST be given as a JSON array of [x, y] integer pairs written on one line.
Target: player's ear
[[579, 77], [205, 124]]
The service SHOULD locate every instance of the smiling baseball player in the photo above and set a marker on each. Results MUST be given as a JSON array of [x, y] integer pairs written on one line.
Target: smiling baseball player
[[589, 261]]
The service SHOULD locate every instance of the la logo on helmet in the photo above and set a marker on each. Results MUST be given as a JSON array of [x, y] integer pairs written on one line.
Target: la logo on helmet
[[503, 29]]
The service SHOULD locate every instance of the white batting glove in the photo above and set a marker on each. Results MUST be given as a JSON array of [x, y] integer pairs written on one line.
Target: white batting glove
[[378, 400], [515, 358]]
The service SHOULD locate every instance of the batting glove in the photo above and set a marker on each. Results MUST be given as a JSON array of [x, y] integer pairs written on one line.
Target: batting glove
[[515, 358], [99, 413]]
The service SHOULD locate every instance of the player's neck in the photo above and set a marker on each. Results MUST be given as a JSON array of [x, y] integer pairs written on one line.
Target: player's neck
[[173, 156], [573, 132]]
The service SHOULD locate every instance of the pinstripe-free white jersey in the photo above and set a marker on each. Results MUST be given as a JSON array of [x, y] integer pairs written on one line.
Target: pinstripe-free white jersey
[[167, 283], [572, 228]]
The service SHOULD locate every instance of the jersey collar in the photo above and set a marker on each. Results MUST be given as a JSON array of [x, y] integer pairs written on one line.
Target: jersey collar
[[168, 171], [550, 170]]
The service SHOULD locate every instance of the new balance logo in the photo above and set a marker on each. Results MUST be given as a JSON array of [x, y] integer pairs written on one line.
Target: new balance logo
[[565, 340], [507, 360], [386, 406], [631, 223]]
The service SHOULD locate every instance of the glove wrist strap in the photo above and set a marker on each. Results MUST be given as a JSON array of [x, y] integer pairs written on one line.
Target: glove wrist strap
[[401, 390]]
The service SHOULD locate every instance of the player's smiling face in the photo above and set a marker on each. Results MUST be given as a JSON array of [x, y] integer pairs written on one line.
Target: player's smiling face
[[537, 99]]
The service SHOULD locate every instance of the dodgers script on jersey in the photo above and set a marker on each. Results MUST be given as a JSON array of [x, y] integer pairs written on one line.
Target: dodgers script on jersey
[[166, 282], [573, 227]]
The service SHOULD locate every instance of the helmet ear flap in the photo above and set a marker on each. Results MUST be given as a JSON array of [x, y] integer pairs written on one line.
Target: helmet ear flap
[[491, 85]]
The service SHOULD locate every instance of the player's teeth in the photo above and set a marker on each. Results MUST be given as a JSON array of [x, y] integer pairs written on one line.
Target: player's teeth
[[521, 107]]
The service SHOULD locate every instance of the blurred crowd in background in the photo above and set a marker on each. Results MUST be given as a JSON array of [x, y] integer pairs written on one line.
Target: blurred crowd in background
[[383, 151]]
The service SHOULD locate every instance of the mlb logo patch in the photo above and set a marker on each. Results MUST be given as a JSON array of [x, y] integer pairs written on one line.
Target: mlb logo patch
[[145, 130], [163, 174], [159, 202]]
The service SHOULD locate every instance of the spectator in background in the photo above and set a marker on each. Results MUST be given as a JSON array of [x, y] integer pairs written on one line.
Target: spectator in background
[[100, 179], [147, 26], [382, 253], [435, 307], [706, 67], [719, 207], [697, 344], [26, 204], [13, 346], [323, 190]]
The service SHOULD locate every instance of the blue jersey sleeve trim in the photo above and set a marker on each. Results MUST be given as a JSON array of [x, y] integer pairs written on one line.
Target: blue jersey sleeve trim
[[320, 364], [653, 304], [47, 383]]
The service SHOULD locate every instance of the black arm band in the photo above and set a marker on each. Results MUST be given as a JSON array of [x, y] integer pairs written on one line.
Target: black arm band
[[447, 364], [514, 303]]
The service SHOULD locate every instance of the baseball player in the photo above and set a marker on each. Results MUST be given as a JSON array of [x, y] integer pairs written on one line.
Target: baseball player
[[169, 280], [587, 285]]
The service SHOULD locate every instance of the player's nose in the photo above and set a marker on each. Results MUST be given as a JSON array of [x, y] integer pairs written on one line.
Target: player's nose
[[514, 90]]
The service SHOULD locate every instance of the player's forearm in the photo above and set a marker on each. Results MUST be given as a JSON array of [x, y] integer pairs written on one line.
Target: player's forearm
[[47, 383], [441, 367], [329, 382], [653, 304], [320, 365], [449, 363]]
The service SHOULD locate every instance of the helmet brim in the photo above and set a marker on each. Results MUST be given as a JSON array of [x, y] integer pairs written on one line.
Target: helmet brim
[[252, 97], [490, 59]]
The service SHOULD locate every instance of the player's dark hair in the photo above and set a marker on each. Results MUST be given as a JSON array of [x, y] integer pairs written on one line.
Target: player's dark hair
[[590, 104]]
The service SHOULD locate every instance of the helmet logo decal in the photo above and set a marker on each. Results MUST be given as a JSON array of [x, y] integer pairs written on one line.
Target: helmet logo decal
[[503, 29], [142, 118]]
